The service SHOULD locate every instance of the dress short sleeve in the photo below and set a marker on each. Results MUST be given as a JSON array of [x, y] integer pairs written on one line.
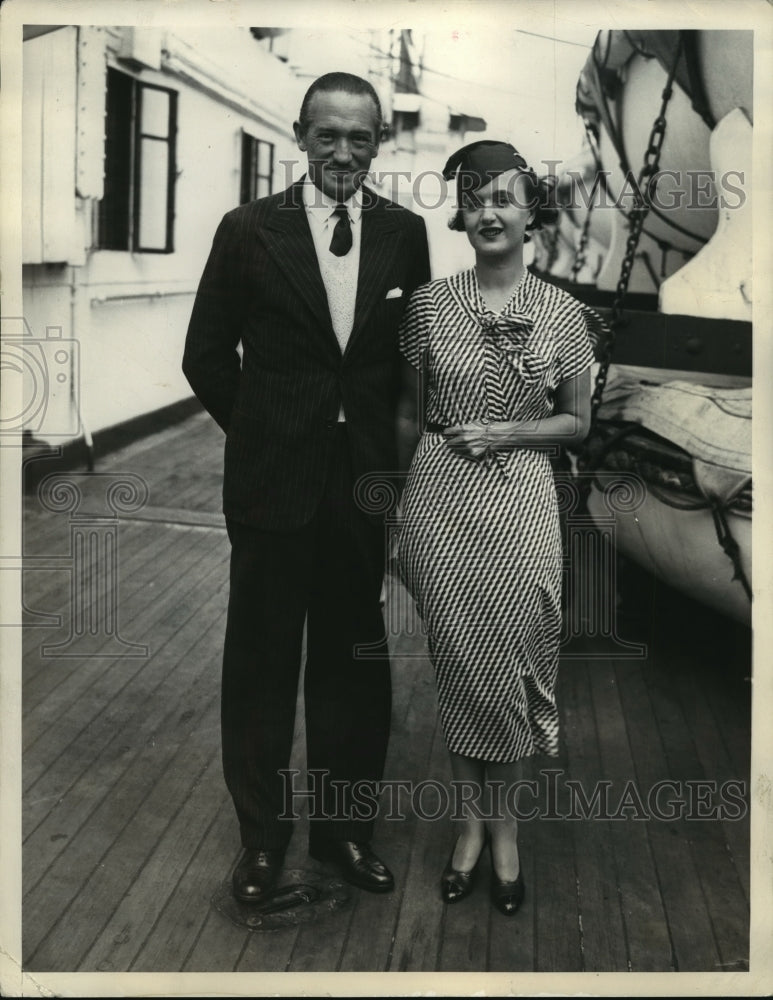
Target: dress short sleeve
[[575, 352], [415, 325]]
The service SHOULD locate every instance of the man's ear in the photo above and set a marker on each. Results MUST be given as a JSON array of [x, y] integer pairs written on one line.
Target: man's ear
[[300, 136]]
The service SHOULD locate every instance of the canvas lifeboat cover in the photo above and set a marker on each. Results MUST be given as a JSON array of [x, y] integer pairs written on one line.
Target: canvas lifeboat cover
[[712, 424]]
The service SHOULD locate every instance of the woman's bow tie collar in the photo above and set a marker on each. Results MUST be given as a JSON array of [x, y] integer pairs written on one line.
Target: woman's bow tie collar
[[509, 333]]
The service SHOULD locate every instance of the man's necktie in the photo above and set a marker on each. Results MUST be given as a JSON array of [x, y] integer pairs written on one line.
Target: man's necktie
[[341, 242]]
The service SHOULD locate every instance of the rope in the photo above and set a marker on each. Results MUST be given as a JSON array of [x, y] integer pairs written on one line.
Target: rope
[[729, 545]]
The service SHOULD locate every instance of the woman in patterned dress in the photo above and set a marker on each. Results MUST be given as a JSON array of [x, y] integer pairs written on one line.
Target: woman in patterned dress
[[501, 359]]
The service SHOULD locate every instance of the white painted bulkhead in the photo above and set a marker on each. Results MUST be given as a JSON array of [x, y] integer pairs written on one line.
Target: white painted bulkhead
[[124, 313]]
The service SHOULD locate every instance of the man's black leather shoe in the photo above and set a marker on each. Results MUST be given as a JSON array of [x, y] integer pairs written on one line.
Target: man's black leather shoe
[[256, 873], [356, 862]]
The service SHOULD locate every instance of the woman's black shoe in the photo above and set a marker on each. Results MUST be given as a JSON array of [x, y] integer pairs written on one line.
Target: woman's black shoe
[[507, 896], [456, 885]]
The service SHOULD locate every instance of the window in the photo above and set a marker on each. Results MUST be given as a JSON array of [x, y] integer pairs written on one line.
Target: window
[[257, 168], [137, 210]]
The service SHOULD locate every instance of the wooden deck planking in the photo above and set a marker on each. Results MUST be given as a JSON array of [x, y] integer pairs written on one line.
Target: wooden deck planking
[[692, 710], [554, 893], [62, 719], [269, 951], [129, 831], [643, 907], [147, 587], [188, 490], [195, 480], [58, 684], [722, 689], [717, 765], [317, 947], [170, 940], [603, 940], [153, 592], [418, 931], [702, 879], [220, 944], [53, 881], [464, 938], [52, 596], [594, 893], [133, 919], [71, 786], [688, 918]]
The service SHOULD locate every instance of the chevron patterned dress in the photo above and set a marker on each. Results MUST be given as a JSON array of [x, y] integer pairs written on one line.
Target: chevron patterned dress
[[479, 544]]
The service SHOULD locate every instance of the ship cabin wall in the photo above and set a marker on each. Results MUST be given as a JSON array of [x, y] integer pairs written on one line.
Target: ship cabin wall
[[135, 143]]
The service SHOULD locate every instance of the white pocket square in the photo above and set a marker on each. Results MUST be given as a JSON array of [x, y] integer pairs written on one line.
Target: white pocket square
[[394, 293]]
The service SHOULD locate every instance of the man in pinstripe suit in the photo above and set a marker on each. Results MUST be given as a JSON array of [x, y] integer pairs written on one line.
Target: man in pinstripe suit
[[314, 293]]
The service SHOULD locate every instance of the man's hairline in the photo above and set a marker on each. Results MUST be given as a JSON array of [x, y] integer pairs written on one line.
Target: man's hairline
[[338, 90]]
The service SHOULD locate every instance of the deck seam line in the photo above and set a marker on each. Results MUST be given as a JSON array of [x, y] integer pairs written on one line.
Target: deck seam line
[[97, 677], [647, 829], [182, 875], [170, 765], [178, 517], [67, 676], [142, 866], [80, 778]]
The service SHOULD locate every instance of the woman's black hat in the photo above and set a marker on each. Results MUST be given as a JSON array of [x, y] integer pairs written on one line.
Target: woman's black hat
[[478, 163]]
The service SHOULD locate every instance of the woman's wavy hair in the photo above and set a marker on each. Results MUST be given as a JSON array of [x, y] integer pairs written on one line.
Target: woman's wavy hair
[[541, 194]]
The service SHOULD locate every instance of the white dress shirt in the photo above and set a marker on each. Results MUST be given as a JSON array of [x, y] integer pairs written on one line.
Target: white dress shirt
[[339, 274]]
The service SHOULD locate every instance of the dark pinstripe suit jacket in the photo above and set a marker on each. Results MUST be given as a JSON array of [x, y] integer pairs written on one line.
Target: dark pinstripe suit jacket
[[279, 403]]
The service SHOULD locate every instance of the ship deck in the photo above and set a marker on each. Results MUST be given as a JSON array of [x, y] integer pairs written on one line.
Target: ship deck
[[129, 835]]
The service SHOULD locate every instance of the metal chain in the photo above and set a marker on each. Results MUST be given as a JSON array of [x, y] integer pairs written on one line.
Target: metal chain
[[636, 219], [552, 242], [580, 253], [582, 246]]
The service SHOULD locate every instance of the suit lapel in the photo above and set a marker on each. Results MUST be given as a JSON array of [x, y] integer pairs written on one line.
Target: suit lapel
[[378, 248], [288, 239]]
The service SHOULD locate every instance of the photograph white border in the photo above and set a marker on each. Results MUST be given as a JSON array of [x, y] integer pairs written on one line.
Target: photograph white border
[[549, 16]]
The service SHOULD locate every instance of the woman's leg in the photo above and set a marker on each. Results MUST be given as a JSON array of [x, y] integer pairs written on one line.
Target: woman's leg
[[504, 827], [470, 774]]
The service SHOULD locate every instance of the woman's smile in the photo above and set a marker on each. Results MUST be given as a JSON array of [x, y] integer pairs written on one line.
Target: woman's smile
[[490, 232]]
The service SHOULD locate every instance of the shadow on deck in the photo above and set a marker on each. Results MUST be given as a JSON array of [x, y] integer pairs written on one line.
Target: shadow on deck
[[129, 833]]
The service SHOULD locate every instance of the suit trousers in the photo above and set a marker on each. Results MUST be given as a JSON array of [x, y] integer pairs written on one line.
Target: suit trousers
[[327, 575]]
